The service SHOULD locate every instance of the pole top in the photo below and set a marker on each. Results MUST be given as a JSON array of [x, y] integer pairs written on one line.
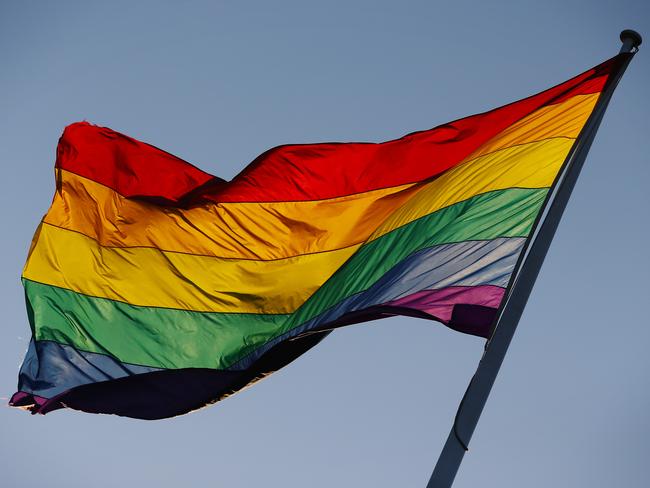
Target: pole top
[[631, 40]]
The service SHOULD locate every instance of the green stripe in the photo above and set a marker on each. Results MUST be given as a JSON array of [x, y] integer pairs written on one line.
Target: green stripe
[[171, 338], [148, 336]]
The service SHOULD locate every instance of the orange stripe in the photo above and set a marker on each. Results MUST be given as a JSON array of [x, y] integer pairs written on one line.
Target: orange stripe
[[265, 231], [564, 119]]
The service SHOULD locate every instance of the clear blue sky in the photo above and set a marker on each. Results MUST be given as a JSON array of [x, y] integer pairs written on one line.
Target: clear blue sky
[[217, 83]]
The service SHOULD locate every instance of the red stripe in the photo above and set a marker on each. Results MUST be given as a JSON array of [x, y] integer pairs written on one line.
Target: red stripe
[[130, 167], [300, 172]]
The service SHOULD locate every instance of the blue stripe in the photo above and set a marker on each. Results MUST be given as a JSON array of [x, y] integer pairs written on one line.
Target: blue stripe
[[51, 368], [469, 263]]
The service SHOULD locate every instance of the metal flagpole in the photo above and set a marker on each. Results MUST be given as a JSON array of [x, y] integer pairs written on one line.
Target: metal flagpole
[[526, 273]]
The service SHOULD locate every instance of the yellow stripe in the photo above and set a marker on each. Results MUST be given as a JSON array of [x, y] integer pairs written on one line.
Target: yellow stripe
[[278, 230], [532, 165], [149, 277]]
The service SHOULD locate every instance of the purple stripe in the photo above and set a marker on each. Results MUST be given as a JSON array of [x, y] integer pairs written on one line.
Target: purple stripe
[[440, 303], [27, 401]]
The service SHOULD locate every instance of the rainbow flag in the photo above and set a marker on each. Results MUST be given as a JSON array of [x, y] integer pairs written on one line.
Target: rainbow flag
[[154, 288]]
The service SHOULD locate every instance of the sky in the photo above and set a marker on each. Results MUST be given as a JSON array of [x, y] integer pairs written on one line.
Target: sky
[[217, 83]]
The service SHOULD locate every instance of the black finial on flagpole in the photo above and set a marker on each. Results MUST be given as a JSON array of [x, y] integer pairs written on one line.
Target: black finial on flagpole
[[631, 40]]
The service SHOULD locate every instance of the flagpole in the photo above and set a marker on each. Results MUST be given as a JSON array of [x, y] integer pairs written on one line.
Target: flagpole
[[523, 280]]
